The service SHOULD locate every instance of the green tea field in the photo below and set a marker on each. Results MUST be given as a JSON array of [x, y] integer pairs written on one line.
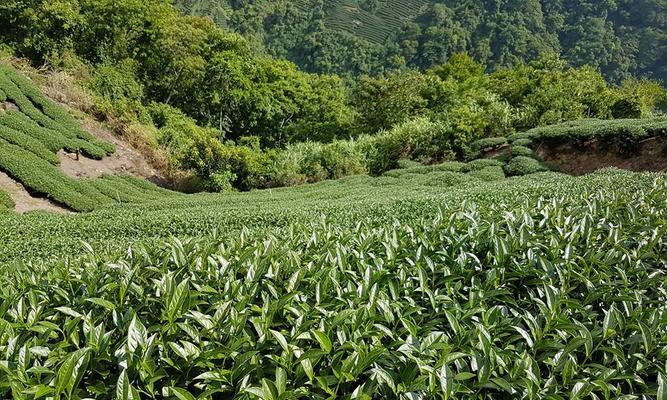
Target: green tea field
[[494, 278]]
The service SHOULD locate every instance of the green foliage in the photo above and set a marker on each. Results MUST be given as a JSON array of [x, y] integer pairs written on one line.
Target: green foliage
[[222, 181], [546, 91], [44, 112], [524, 151], [637, 99], [6, 202], [29, 143], [406, 163], [620, 38], [628, 131], [482, 163], [117, 85], [522, 142], [42, 177], [477, 147], [418, 139], [283, 303], [522, 165], [488, 174]]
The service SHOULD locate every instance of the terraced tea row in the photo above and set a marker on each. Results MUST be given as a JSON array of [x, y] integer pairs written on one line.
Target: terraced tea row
[[33, 129]]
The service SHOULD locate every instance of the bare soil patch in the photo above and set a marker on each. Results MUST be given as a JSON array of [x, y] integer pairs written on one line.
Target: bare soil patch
[[648, 155], [24, 200], [125, 161]]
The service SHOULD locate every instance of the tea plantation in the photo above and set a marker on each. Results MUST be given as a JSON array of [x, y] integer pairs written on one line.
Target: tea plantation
[[451, 281], [33, 132], [424, 283]]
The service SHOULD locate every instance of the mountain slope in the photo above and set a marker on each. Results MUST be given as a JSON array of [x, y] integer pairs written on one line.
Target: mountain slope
[[45, 150], [620, 37]]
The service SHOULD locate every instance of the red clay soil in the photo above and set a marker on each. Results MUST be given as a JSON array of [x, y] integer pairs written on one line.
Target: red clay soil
[[647, 155]]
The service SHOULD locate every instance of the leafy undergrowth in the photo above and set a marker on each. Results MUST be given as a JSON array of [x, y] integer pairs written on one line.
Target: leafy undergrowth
[[545, 286]]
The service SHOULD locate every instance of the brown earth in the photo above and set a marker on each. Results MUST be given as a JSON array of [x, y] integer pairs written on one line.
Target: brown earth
[[125, 161], [648, 155], [24, 200]]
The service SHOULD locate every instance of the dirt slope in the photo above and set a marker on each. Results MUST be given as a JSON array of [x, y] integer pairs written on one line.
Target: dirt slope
[[125, 161], [647, 155], [24, 201]]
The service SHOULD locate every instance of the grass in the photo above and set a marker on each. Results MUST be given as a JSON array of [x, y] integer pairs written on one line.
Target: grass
[[384, 287]]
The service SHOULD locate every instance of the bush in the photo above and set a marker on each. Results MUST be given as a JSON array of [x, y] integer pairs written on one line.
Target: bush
[[42, 177], [28, 98], [490, 142], [222, 181], [476, 148], [521, 165], [523, 151], [28, 143], [522, 142], [120, 94], [453, 166], [406, 163], [519, 136], [482, 163], [53, 140], [418, 139], [342, 158], [620, 130], [488, 174], [6, 202], [444, 179]]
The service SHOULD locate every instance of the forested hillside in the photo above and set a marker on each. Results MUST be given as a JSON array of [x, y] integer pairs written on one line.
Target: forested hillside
[[620, 37]]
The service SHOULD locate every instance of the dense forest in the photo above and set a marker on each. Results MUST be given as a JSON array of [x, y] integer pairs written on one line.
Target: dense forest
[[620, 37], [235, 116]]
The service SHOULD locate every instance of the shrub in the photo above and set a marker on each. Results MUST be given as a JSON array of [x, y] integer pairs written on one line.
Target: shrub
[[444, 179], [482, 163], [523, 151], [521, 165], [453, 166], [28, 143], [520, 135], [620, 130], [42, 177], [27, 97], [53, 140], [417, 139], [476, 148], [6, 202], [406, 163], [490, 142], [522, 142], [222, 181], [488, 174], [342, 158]]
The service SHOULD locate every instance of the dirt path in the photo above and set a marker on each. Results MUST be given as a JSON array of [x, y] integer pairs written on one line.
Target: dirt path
[[25, 201]]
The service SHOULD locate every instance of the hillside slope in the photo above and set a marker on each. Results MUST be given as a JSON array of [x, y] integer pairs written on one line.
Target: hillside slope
[[622, 38], [50, 162]]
